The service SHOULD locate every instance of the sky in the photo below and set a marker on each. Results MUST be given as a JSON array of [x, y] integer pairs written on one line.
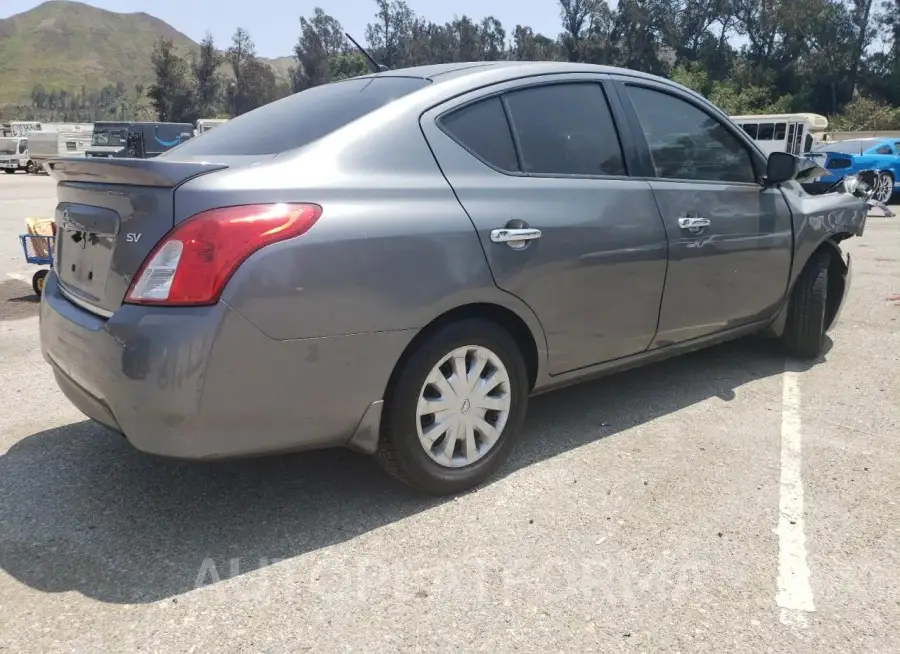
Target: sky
[[274, 24]]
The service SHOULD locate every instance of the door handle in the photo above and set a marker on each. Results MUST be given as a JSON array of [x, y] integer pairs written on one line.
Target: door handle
[[693, 222], [515, 237]]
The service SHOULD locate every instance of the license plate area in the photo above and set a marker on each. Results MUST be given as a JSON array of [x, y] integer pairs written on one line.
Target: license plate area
[[85, 244]]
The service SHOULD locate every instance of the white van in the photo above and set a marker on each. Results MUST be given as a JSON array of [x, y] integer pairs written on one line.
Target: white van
[[783, 132]]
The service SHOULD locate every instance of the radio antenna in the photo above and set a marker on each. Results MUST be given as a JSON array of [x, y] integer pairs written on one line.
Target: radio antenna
[[378, 68]]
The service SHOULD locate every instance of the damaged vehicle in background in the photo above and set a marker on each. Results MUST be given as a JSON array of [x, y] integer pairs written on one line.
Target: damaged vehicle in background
[[395, 263], [841, 158]]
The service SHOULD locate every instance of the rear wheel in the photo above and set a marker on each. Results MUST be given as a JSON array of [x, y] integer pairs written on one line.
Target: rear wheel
[[884, 187], [37, 281], [9, 171], [455, 409], [804, 333]]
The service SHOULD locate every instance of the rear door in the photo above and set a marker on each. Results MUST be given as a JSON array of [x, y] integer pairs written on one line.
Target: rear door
[[544, 154], [730, 239]]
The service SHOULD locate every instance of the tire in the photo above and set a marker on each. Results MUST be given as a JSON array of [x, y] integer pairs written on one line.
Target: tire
[[804, 333], [29, 169], [9, 171], [401, 450], [884, 187], [37, 281]]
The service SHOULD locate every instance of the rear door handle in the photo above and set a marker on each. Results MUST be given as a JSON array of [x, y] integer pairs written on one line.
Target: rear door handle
[[510, 235], [693, 222]]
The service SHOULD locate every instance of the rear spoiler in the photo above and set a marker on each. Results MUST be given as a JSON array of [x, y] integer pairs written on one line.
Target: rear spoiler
[[133, 172]]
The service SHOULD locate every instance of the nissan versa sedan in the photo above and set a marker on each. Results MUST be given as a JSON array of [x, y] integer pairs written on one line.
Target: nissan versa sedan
[[395, 263]]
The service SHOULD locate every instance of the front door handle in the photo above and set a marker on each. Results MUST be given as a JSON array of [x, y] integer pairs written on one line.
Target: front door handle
[[515, 238], [693, 222]]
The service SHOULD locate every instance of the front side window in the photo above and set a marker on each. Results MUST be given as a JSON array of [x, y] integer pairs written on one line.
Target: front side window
[[884, 149], [23, 146], [688, 143], [566, 129]]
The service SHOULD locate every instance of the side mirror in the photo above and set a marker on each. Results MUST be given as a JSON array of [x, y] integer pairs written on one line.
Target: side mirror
[[781, 167]]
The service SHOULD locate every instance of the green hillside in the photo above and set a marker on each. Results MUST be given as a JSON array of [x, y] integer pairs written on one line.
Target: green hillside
[[69, 45]]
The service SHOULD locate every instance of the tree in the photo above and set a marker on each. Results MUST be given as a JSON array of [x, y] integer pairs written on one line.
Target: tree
[[170, 95], [792, 55], [389, 35], [321, 38], [206, 78], [574, 15], [240, 55]]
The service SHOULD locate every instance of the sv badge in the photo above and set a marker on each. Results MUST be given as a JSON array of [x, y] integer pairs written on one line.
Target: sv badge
[[133, 237]]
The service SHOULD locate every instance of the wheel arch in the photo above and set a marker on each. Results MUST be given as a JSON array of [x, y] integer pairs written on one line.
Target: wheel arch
[[517, 319], [837, 270], [503, 316]]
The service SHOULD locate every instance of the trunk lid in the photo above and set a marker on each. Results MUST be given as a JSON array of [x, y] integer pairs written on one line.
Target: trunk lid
[[110, 214]]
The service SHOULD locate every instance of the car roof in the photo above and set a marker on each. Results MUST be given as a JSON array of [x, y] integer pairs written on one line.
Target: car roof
[[869, 141], [509, 70]]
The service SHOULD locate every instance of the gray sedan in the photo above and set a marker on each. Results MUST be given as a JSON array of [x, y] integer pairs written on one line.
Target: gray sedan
[[395, 263]]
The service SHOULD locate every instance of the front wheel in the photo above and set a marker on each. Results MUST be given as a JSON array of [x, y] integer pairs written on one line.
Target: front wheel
[[9, 171], [455, 408], [29, 169], [804, 333], [884, 188]]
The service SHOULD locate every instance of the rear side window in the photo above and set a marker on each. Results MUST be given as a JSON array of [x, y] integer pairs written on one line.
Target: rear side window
[[299, 119], [566, 129], [482, 129]]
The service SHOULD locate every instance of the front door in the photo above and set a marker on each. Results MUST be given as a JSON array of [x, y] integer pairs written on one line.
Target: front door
[[730, 239], [544, 154]]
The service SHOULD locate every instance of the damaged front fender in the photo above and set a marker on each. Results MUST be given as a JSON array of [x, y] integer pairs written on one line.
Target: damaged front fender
[[822, 221]]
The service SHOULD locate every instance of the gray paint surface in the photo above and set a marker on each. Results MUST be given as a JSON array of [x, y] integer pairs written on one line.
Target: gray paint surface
[[308, 331]]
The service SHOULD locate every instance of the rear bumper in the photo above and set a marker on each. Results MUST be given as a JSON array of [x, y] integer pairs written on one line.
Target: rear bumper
[[203, 382]]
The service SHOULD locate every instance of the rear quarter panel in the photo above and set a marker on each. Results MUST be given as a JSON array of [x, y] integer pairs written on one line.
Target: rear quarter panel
[[392, 250]]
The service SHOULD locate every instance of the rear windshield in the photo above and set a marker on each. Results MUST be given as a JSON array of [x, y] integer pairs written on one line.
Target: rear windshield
[[299, 119]]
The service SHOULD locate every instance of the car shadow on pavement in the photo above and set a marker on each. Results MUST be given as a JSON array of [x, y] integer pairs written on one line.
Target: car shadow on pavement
[[81, 510]]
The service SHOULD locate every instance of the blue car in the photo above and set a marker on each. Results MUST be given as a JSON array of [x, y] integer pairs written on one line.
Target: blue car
[[843, 158]]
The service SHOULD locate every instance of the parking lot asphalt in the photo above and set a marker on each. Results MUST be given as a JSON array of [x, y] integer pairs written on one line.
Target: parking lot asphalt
[[727, 500]]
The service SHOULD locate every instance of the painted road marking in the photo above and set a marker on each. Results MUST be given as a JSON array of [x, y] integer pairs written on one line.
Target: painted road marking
[[794, 596]]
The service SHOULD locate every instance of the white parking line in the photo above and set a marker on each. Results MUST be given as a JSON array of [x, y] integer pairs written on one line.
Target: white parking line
[[794, 596]]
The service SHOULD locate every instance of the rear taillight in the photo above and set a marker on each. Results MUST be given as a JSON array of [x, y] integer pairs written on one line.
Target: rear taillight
[[193, 262]]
